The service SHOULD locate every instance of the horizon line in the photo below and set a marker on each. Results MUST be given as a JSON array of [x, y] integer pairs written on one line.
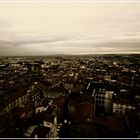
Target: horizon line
[[72, 54]]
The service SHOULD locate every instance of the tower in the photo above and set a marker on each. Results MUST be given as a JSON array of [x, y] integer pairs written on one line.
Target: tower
[[108, 101]]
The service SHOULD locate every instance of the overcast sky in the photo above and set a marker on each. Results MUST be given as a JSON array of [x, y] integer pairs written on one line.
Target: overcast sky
[[40, 28]]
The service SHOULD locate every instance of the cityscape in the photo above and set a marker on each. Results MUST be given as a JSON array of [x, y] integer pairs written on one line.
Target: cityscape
[[70, 96], [69, 69]]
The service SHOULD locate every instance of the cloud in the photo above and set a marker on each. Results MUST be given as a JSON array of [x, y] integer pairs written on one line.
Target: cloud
[[38, 28], [125, 42], [40, 41]]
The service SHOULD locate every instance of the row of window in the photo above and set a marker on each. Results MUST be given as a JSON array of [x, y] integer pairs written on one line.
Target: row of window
[[121, 110], [20, 101], [123, 106]]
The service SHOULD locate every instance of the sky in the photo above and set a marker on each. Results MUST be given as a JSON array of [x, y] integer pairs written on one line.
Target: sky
[[42, 28]]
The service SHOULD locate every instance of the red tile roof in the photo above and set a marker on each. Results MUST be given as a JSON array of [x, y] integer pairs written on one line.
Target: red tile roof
[[40, 131], [115, 124], [59, 101]]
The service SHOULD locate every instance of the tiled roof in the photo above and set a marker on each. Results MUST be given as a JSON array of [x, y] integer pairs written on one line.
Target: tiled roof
[[48, 118], [115, 124], [86, 109], [124, 101], [40, 131]]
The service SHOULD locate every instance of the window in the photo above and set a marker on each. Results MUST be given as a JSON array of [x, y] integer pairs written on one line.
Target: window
[[121, 108], [48, 123], [121, 112], [126, 109]]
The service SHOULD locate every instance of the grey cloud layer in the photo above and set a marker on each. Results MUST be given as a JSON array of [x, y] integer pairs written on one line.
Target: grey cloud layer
[[37, 29], [67, 46]]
